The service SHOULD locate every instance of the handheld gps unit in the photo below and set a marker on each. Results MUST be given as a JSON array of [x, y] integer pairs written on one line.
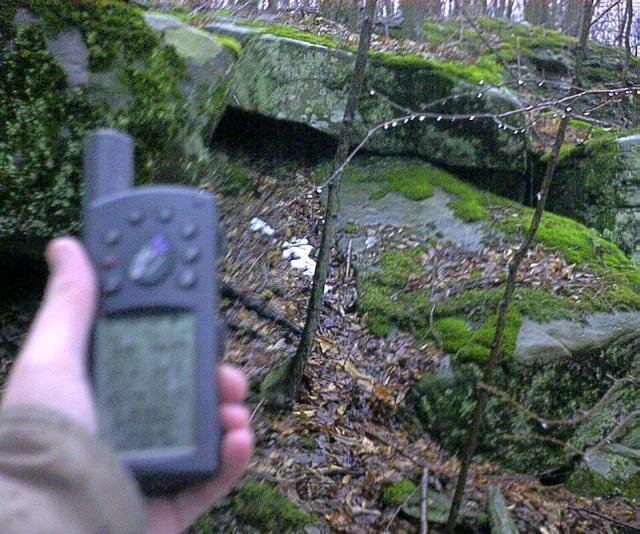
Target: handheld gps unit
[[156, 338]]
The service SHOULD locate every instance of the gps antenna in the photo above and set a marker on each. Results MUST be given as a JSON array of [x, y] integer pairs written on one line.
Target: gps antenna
[[108, 164]]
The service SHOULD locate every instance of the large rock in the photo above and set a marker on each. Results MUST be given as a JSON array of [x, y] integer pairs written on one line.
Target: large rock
[[626, 229], [308, 83], [66, 69], [558, 352], [542, 343], [209, 65]]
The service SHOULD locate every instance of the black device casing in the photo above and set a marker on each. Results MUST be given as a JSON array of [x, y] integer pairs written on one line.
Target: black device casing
[[116, 226]]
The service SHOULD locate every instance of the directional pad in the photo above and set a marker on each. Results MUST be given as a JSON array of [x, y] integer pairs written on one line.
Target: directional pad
[[152, 262]]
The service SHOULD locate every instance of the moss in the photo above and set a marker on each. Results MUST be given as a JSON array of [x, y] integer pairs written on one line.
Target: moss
[[587, 186], [101, 23], [589, 483], [351, 228], [231, 44], [559, 390], [234, 180], [288, 32], [488, 71], [396, 494], [417, 182], [412, 183], [43, 122], [260, 506]]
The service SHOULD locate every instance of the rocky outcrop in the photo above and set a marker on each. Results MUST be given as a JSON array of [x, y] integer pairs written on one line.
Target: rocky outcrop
[[554, 367], [626, 231], [308, 83], [543, 343], [209, 65], [61, 76]]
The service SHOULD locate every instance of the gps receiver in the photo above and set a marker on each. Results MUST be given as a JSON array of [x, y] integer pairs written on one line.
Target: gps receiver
[[157, 335]]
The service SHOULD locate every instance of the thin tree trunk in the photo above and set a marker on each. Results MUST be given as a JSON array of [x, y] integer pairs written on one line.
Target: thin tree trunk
[[289, 382], [627, 38], [414, 16], [482, 396]]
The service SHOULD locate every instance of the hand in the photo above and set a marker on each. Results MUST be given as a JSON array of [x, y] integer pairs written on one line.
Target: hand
[[50, 371]]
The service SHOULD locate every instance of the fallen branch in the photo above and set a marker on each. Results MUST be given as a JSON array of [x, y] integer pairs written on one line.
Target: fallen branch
[[613, 520], [258, 306], [613, 434]]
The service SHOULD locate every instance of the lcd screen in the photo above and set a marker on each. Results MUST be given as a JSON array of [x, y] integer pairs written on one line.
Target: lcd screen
[[144, 372]]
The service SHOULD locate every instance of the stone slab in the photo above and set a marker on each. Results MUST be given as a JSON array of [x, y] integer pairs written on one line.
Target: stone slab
[[542, 343]]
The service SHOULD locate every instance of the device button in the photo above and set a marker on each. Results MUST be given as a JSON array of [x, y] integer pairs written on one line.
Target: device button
[[187, 279], [111, 284], [189, 230], [165, 215], [112, 236], [191, 254], [152, 262], [108, 262], [135, 217]]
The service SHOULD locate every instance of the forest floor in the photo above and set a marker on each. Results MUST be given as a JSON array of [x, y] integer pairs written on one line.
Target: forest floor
[[348, 436]]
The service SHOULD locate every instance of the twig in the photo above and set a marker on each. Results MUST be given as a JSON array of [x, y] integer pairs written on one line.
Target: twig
[[346, 275], [258, 306], [613, 434], [632, 528], [397, 511], [424, 523], [538, 437], [546, 423], [256, 410], [496, 117], [599, 17]]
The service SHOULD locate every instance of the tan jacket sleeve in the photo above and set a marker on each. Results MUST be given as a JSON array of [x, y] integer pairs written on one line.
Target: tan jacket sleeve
[[56, 478]]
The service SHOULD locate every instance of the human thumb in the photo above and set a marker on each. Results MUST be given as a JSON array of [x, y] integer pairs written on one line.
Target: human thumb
[[60, 332]]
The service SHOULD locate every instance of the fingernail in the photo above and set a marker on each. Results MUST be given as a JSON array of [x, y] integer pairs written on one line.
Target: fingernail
[[57, 253]]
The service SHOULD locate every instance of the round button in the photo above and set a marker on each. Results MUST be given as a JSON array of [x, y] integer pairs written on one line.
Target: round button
[[111, 284], [187, 279], [136, 217], [112, 236], [189, 230], [191, 254], [165, 215], [108, 262]]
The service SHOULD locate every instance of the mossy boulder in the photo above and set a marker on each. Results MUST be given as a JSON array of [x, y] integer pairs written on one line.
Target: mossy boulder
[[297, 77], [558, 351], [259, 507], [67, 69]]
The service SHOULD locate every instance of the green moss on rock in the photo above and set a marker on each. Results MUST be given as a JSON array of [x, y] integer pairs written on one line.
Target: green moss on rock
[[396, 494], [587, 187], [134, 84], [260, 506]]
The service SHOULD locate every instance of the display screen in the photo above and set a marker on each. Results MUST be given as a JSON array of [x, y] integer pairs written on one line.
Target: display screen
[[144, 371]]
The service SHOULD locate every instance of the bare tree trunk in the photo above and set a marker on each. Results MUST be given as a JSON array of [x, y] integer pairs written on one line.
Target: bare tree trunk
[[285, 384], [482, 396], [414, 15], [627, 38]]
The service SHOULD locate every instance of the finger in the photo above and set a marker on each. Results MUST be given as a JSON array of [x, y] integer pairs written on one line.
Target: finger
[[232, 383], [60, 332], [234, 416], [237, 448]]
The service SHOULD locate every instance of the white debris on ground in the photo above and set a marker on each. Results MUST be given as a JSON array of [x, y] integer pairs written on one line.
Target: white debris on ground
[[258, 225], [370, 242], [297, 252]]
